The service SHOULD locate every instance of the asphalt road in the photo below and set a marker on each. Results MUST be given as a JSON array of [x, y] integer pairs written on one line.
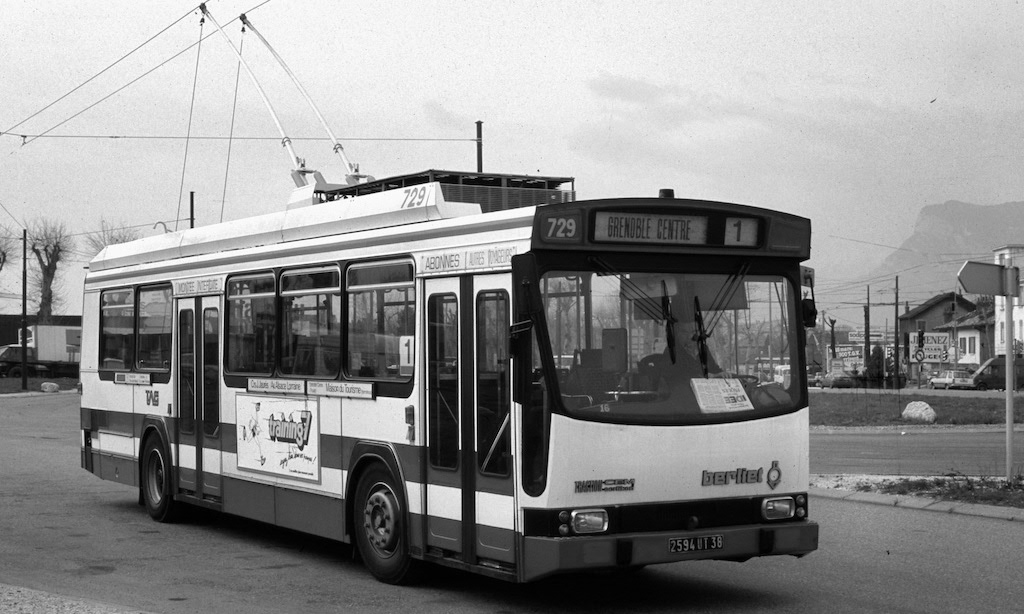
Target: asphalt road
[[66, 532], [915, 451]]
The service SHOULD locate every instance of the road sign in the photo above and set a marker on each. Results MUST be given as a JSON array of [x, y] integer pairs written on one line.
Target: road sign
[[988, 278], [936, 345]]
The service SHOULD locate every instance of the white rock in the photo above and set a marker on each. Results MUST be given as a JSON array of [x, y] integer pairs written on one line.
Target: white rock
[[919, 411], [50, 387]]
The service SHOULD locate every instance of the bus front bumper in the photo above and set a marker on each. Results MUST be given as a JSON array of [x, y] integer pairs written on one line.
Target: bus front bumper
[[545, 556]]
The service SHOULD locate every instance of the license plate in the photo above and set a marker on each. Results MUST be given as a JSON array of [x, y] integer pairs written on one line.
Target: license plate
[[682, 545]]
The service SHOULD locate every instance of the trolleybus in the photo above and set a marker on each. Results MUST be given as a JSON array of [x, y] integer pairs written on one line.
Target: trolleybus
[[518, 393]]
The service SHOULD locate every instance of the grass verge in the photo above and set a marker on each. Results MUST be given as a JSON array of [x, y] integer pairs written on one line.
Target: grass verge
[[874, 408], [10, 385], [960, 488], [879, 408]]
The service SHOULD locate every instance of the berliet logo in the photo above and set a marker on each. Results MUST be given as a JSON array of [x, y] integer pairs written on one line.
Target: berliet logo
[[290, 431], [742, 476]]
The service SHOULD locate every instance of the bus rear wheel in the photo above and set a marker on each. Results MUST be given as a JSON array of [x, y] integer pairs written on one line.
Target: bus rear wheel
[[380, 530], [156, 481]]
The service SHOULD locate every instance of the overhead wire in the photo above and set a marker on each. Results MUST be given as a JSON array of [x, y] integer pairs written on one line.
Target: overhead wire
[[26, 139], [156, 137], [84, 83], [231, 130], [191, 109]]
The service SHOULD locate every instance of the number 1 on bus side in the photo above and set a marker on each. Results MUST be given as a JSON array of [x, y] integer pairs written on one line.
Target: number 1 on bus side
[[406, 347]]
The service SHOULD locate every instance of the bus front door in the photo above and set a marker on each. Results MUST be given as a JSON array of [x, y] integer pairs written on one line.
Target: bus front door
[[198, 394], [469, 492]]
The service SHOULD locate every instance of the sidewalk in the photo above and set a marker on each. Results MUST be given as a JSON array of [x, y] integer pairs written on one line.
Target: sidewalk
[[997, 512], [18, 600]]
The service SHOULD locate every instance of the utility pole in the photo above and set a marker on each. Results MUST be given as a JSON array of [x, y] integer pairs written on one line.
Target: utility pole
[[832, 329], [24, 309], [867, 331], [479, 146], [896, 338]]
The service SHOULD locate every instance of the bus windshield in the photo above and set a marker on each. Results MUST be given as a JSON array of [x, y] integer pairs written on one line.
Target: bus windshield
[[671, 348]]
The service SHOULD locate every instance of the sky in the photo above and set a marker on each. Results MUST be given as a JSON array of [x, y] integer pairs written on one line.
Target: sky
[[854, 114]]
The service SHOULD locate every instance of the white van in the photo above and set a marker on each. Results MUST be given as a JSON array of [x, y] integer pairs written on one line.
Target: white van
[[781, 375]]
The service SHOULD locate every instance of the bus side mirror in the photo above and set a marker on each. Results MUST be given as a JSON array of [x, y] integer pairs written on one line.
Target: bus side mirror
[[809, 312]]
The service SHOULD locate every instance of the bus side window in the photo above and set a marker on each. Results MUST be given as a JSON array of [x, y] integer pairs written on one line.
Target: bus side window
[[494, 434], [311, 322], [251, 327], [155, 322], [381, 321], [536, 422], [117, 329]]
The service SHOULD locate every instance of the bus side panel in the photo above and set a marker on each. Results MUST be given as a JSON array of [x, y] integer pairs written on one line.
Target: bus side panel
[[108, 445], [311, 507], [383, 421], [110, 430]]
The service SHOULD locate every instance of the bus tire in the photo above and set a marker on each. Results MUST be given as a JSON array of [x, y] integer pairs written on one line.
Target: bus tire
[[380, 527], [156, 481]]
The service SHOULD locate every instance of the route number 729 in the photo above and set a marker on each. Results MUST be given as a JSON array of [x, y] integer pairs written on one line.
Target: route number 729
[[414, 197], [562, 228]]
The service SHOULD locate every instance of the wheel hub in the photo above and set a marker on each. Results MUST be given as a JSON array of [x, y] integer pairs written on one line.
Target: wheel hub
[[379, 520]]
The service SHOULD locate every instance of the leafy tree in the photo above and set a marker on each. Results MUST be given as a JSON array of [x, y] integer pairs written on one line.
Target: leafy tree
[[49, 241], [875, 364]]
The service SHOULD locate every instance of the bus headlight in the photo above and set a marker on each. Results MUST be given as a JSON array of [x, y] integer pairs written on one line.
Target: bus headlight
[[589, 521], [778, 508]]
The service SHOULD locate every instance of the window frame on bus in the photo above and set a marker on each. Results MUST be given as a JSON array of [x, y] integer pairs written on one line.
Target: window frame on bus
[[321, 354], [127, 357], [229, 336], [163, 364], [401, 383]]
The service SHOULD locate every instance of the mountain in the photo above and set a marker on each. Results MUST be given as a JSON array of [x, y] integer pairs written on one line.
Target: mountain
[[944, 237]]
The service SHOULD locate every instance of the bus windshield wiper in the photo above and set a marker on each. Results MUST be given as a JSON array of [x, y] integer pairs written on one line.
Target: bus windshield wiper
[[725, 294], [670, 321], [701, 336]]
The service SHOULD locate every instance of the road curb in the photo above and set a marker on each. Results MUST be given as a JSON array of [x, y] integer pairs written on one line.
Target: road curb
[[34, 393], [29, 601], [996, 512]]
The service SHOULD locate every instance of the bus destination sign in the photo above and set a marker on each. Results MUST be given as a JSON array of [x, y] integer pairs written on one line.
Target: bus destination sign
[[666, 229], [650, 228]]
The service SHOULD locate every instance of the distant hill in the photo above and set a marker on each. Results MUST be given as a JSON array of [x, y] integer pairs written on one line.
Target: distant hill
[[945, 235]]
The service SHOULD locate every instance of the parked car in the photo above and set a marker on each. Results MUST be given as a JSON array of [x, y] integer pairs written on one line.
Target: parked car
[[840, 379], [992, 374], [952, 378], [815, 377]]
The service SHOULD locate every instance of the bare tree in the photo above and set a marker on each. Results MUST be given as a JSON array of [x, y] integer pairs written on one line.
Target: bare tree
[[9, 246], [109, 234], [49, 241]]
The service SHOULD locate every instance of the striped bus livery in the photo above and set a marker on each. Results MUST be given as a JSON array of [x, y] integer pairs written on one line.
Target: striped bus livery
[[518, 393]]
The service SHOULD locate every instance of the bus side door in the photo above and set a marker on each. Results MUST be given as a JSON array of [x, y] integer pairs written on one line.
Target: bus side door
[[198, 395], [469, 494]]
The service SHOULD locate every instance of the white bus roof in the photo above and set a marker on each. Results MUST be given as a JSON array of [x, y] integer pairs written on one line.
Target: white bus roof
[[379, 210]]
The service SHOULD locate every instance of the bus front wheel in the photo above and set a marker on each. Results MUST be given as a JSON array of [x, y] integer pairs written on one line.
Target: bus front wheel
[[156, 481], [380, 527]]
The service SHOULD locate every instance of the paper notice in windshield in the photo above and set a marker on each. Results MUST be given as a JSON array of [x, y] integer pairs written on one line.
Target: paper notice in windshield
[[716, 396]]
